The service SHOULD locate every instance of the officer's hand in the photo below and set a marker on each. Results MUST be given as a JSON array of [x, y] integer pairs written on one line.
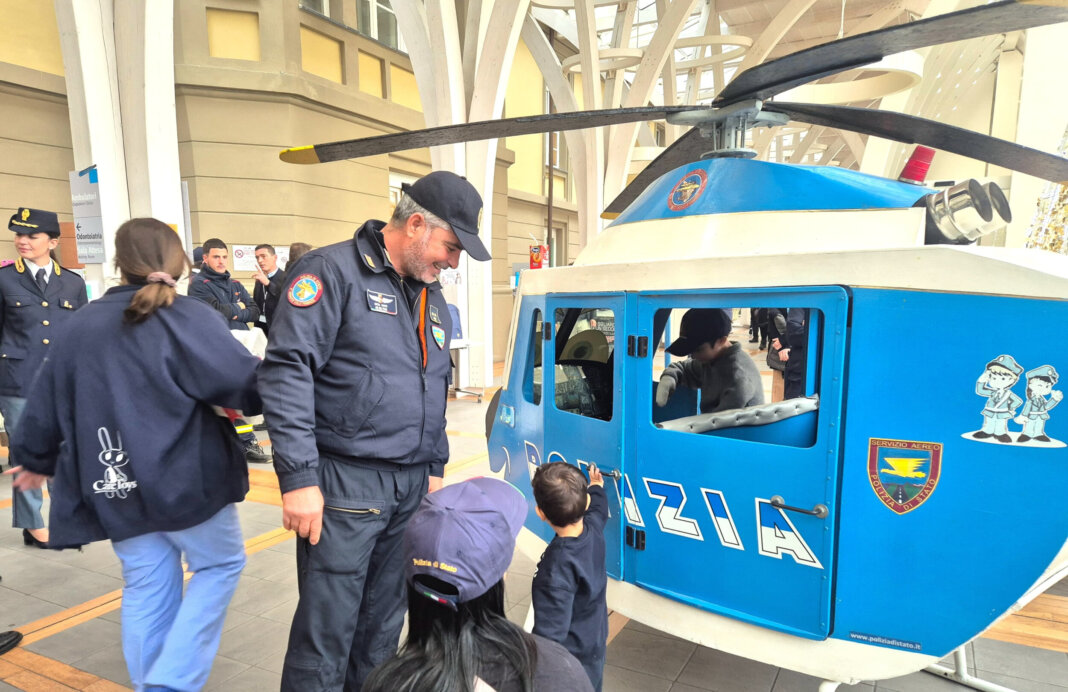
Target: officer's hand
[[665, 389], [1056, 395], [436, 483], [984, 377], [302, 511], [25, 480]]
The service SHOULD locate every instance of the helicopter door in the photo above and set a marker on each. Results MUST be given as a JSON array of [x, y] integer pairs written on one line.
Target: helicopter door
[[737, 507], [583, 405]]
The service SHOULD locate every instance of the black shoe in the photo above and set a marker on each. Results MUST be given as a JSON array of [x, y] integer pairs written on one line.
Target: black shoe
[[1023, 438], [260, 427], [28, 539], [9, 640], [1043, 438], [980, 435], [763, 345], [256, 455], [1003, 438]]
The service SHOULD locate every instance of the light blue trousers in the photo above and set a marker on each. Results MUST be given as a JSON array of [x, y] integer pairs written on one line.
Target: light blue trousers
[[168, 640], [25, 504]]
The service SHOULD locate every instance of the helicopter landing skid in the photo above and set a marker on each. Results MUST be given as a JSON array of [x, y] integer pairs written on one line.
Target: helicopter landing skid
[[959, 673]]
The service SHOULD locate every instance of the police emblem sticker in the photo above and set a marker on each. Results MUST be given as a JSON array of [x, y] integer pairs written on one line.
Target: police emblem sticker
[[439, 335], [385, 303], [687, 190], [306, 290], [434, 316], [903, 473]]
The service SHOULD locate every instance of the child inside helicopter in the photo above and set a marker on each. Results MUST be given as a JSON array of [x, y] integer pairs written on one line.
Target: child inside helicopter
[[569, 589], [727, 377]]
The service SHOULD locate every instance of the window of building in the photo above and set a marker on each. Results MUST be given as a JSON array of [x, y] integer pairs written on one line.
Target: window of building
[[395, 182], [377, 19], [585, 340], [318, 6]]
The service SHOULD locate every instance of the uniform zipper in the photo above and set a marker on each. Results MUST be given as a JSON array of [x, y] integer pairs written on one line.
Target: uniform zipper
[[354, 511]]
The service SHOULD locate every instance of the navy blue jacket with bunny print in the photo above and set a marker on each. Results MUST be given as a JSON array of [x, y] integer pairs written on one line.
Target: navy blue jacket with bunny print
[[122, 417]]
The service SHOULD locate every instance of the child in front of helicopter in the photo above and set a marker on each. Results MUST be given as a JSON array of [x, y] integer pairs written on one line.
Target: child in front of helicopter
[[569, 586]]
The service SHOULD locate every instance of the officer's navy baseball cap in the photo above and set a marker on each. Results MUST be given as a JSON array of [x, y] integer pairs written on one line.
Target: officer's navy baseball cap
[[700, 325], [456, 201], [29, 221], [464, 535]]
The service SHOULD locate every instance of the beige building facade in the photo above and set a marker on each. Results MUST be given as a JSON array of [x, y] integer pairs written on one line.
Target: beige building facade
[[253, 78]]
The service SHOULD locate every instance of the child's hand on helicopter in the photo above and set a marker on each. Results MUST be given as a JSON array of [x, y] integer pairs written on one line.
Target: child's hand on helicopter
[[596, 478], [665, 389]]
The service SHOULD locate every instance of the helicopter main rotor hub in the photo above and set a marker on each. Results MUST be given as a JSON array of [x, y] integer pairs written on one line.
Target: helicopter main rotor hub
[[727, 127]]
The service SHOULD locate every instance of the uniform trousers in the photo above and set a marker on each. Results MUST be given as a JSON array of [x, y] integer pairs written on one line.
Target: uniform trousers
[[25, 504], [170, 641], [352, 594]]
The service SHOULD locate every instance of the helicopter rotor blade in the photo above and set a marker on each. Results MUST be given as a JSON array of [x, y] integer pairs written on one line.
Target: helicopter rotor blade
[[466, 132], [776, 76], [686, 149], [913, 130]]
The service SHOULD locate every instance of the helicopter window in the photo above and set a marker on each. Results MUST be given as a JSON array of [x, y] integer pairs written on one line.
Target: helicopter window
[[585, 341], [532, 381], [732, 388]]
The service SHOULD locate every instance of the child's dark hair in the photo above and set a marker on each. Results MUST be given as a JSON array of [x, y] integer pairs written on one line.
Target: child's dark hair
[[560, 491]]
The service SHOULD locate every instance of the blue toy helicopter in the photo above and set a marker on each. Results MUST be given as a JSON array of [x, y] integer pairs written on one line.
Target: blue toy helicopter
[[901, 504]]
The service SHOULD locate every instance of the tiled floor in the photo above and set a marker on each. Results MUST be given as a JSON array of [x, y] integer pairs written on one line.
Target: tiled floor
[[81, 649]]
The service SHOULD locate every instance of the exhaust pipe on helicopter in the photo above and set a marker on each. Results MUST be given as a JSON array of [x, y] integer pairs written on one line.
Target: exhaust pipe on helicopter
[[965, 212]]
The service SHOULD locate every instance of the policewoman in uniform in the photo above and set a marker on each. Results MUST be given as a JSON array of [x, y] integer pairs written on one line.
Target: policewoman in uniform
[[36, 297], [121, 415], [354, 385]]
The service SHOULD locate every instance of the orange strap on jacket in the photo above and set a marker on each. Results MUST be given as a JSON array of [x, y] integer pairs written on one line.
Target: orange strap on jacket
[[422, 324]]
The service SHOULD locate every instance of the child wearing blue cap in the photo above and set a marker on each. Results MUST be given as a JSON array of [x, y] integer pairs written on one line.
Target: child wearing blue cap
[[570, 584]]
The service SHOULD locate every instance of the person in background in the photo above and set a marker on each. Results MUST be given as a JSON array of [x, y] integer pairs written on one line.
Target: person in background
[[122, 418], [269, 282], [296, 251], [37, 296], [198, 261], [569, 593], [214, 286], [457, 548]]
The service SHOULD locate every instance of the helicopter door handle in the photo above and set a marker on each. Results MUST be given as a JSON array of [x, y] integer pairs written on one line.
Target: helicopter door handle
[[614, 474], [819, 510]]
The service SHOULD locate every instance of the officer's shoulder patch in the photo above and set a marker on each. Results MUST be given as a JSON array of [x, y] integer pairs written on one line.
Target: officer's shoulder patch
[[305, 290]]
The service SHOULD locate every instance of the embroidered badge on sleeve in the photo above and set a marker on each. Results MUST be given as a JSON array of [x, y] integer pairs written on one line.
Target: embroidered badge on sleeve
[[305, 290]]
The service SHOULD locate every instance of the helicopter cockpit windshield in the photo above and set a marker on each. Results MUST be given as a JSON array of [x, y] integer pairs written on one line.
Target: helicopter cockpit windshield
[[584, 344]]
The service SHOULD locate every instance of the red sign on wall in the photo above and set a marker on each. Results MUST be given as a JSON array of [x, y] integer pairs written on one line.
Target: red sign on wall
[[539, 256]]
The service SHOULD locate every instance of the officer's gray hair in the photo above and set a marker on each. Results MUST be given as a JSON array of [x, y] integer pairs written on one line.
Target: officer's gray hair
[[407, 206]]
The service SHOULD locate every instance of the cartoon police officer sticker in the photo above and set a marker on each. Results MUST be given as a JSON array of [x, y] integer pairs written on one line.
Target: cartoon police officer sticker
[[1041, 397], [305, 290], [996, 384]]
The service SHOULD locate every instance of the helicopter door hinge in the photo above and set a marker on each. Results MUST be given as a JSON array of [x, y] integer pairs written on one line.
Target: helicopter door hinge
[[638, 346], [635, 538]]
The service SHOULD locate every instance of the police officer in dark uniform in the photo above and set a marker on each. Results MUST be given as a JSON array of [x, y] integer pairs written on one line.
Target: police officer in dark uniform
[[354, 385], [36, 296]]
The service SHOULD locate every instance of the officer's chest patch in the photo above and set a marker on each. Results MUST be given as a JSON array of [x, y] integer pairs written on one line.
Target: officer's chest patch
[[384, 303], [439, 335], [305, 290], [434, 316]]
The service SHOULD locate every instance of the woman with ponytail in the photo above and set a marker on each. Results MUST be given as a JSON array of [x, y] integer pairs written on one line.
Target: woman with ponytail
[[122, 419]]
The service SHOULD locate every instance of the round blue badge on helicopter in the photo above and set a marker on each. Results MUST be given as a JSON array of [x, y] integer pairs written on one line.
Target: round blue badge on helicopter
[[306, 290], [687, 190]]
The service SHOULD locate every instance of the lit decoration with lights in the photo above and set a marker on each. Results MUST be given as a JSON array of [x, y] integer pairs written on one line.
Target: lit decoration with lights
[[1049, 227]]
